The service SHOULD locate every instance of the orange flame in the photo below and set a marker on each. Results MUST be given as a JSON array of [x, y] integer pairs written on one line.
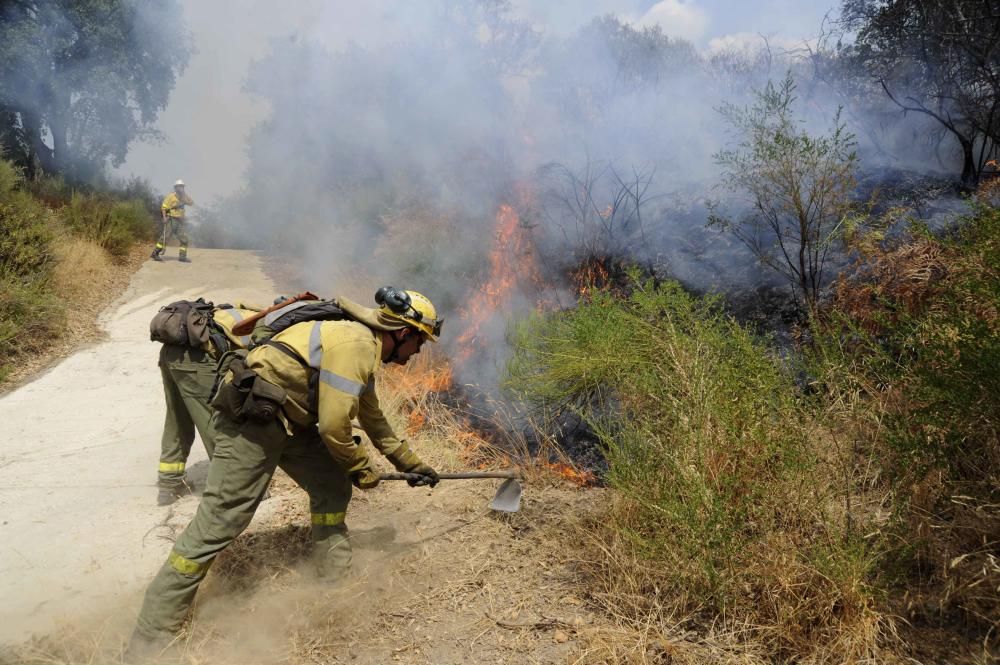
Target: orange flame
[[592, 275], [415, 421], [511, 260], [579, 477], [421, 379]]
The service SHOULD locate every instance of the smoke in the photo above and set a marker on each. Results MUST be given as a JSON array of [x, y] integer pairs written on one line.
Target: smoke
[[384, 138]]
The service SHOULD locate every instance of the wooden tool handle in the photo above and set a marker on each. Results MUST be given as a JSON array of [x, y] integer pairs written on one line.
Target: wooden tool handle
[[466, 475]]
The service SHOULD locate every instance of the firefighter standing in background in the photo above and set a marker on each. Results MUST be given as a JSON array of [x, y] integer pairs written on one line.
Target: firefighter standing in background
[[188, 377], [172, 212], [298, 393]]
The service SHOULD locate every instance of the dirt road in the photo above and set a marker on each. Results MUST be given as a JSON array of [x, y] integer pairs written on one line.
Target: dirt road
[[79, 522]]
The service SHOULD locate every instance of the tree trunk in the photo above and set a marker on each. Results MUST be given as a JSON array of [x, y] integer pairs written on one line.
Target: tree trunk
[[970, 175], [40, 158], [803, 274], [60, 159]]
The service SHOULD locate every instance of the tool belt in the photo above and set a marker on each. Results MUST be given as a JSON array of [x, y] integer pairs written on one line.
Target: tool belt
[[246, 396]]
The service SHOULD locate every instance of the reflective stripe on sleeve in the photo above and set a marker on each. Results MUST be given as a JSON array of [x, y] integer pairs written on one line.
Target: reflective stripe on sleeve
[[316, 345], [327, 519], [340, 383], [186, 566], [171, 467], [237, 317]]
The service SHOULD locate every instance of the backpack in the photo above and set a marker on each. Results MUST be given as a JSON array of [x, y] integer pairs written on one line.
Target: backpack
[[297, 312], [186, 323], [286, 317]]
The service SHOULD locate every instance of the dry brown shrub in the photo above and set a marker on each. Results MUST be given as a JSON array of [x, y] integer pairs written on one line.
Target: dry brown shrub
[[81, 271], [956, 568], [989, 190], [905, 276], [85, 280], [789, 611]]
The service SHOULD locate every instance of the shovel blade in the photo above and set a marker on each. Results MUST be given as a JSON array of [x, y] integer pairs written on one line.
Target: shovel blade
[[508, 497]]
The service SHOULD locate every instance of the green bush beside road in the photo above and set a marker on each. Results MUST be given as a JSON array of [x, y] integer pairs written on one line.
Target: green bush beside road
[[33, 216]]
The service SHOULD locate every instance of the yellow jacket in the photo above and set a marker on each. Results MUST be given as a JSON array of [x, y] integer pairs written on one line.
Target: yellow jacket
[[346, 355], [173, 205]]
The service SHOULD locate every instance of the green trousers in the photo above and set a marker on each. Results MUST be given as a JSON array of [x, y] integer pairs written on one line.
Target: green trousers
[[245, 459], [188, 375], [174, 226]]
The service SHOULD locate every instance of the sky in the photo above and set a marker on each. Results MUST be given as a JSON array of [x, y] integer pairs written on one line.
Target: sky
[[209, 114]]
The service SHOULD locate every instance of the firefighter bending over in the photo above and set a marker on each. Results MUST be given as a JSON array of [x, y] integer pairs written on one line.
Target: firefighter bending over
[[188, 373], [290, 403]]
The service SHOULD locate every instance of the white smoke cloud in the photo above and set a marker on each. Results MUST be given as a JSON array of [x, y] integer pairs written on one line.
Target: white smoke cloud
[[749, 42], [678, 18]]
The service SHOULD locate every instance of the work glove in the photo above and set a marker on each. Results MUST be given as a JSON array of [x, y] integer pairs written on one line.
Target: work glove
[[359, 467], [365, 479], [428, 475], [407, 461]]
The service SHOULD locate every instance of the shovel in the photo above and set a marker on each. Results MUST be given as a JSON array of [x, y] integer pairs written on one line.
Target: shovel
[[506, 500]]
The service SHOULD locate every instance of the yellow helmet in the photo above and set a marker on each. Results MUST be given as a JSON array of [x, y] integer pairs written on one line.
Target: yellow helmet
[[412, 308]]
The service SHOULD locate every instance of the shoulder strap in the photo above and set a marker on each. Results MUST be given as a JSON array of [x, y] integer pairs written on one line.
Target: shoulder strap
[[312, 373]]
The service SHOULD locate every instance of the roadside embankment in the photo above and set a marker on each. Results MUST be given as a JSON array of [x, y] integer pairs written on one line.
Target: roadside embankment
[[64, 254]]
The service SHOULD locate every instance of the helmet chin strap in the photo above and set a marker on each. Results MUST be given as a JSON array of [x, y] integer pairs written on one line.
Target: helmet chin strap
[[394, 354]]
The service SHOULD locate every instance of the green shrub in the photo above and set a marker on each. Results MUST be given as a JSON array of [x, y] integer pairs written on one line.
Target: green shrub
[[952, 358], [918, 328], [114, 225], [52, 191], [139, 190], [25, 240], [720, 481], [31, 316], [911, 346], [10, 179], [25, 229]]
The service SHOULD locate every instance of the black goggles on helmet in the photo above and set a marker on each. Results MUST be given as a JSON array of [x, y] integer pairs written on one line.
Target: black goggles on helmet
[[398, 302], [435, 324]]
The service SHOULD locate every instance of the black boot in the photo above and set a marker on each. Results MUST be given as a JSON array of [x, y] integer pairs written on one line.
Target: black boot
[[167, 495], [142, 650], [184, 258], [155, 255]]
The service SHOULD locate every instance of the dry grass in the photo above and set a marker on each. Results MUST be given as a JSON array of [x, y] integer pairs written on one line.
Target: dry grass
[[87, 280], [784, 614]]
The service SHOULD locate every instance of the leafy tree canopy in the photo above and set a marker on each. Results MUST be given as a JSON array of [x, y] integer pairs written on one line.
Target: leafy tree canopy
[[82, 79], [940, 58]]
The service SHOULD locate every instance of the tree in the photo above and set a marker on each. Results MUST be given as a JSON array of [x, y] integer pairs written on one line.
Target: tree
[[939, 58], [607, 60], [82, 79], [596, 210], [799, 187]]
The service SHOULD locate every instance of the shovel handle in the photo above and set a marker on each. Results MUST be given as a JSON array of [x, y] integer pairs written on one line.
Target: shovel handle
[[466, 475]]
